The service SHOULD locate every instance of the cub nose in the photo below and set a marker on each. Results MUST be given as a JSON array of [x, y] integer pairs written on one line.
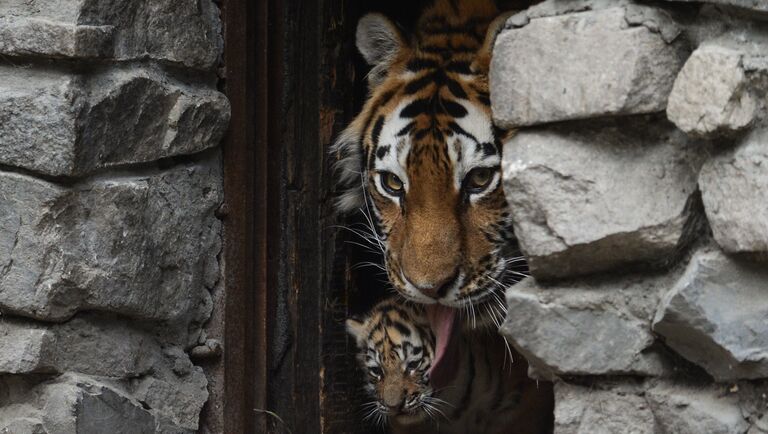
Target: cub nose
[[393, 401]]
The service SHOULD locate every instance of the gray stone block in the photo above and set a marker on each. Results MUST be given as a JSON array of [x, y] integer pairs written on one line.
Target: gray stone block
[[176, 401], [596, 196], [21, 419], [683, 409], [36, 36], [184, 32], [73, 404], [71, 124], [587, 327], [631, 66], [733, 186], [80, 405], [757, 5], [597, 410], [142, 245], [650, 406], [711, 95], [715, 316], [90, 346]]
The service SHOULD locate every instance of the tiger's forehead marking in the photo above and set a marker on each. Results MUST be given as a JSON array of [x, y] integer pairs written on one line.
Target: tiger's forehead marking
[[460, 127]]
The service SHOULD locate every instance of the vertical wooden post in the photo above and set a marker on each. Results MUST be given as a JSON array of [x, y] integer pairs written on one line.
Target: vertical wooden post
[[245, 58]]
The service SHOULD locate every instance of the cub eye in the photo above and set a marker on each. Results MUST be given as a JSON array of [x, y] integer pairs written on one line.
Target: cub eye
[[375, 371], [413, 365], [478, 179], [391, 183]]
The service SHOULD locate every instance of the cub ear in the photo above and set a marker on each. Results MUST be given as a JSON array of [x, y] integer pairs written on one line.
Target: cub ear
[[482, 62], [379, 41], [356, 329]]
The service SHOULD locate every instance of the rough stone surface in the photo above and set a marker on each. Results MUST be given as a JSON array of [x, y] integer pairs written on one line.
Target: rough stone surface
[[178, 395], [652, 406], [109, 187], [144, 246], [76, 404], [587, 327], [593, 197], [631, 67], [715, 316], [70, 124], [695, 410], [184, 32], [590, 410], [38, 36], [757, 5], [92, 346], [645, 321], [734, 193], [168, 400], [711, 94]]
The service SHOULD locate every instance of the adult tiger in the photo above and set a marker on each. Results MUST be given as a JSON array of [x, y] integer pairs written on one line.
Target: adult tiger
[[430, 156], [422, 159]]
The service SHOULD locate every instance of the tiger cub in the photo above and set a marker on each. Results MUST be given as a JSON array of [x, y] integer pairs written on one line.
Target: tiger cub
[[422, 385]]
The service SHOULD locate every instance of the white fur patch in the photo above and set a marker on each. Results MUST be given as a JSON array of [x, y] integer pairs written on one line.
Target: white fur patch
[[348, 170], [396, 158]]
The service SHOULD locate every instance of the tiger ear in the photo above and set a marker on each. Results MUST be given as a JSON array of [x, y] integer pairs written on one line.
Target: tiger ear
[[356, 329], [482, 62], [379, 41]]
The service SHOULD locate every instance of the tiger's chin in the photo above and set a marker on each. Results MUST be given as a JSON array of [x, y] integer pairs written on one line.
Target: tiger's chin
[[416, 417]]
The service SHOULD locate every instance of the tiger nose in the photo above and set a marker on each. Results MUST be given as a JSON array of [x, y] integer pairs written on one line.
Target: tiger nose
[[393, 401], [441, 287]]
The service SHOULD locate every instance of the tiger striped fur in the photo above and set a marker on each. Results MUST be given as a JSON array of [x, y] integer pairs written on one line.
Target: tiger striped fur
[[423, 158]]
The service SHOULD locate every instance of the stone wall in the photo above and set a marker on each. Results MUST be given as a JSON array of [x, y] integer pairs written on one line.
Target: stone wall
[[638, 180], [110, 179]]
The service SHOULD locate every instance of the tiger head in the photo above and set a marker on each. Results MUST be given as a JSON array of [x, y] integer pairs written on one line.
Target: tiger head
[[423, 158], [396, 352]]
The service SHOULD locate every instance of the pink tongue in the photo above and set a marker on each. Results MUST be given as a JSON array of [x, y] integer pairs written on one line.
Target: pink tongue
[[441, 319]]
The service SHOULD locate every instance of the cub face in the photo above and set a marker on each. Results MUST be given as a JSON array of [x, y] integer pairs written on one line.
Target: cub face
[[396, 350]]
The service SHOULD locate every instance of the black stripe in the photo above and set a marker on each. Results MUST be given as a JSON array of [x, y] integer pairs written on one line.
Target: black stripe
[[406, 129], [415, 108], [420, 134], [369, 158], [443, 51], [458, 130], [381, 151], [487, 149], [421, 63], [377, 130], [405, 331], [419, 84], [456, 89], [459, 67], [454, 109], [382, 100]]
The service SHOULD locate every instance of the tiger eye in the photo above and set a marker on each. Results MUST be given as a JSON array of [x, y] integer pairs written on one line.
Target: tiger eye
[[391, 183], [479, 179]]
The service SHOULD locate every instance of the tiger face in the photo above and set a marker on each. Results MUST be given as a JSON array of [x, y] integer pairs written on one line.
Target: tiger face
[[396, 351], [423, 157]]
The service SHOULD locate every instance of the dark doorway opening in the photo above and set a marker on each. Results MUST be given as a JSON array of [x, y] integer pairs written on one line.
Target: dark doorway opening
[[292, 275]]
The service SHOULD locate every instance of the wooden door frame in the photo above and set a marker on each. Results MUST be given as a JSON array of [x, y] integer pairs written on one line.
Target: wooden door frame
[[287, 73], [244, 255]]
